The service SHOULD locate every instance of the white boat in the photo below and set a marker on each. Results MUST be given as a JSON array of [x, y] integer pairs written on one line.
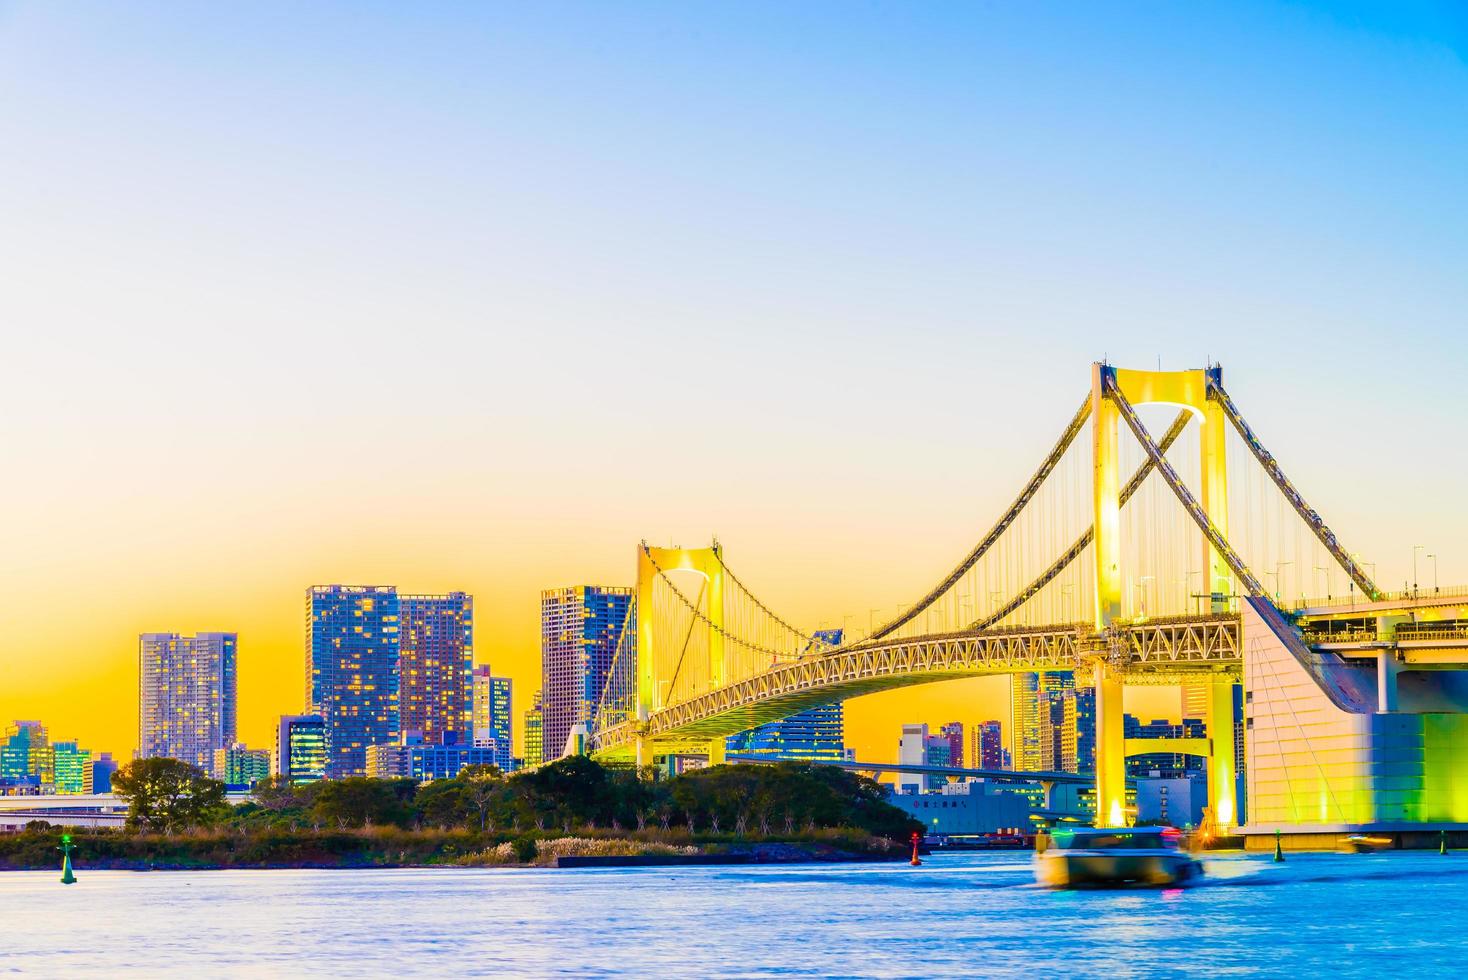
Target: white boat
[[1113, 857]]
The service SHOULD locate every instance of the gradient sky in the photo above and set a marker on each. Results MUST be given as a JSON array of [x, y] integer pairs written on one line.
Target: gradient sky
[[478, 297]]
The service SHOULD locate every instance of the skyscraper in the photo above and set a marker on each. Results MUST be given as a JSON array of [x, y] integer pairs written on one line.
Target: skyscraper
[[1037, 747], [953, 731], [493, 707], [300, 749], [436, 656], [186, 696], [352, 645], [532, 738], [816, 733], [579, 631]]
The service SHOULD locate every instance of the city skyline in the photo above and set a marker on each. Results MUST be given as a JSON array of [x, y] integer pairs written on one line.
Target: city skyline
[[628, 225]]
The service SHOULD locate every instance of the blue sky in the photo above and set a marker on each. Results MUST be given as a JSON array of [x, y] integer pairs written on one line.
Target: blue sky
[[610, 271]]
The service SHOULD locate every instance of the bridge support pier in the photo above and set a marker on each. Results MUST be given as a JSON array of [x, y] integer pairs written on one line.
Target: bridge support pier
[[1386, 681], [1223, 787], [642, 755], [1110, 749], [716, 752]]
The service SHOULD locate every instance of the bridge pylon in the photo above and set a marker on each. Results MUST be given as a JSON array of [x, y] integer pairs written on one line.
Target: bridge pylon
[[650, 563], [1187, 390]]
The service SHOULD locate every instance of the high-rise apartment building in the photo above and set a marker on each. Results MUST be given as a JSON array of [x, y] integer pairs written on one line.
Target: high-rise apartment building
[[352, 678], [186, 696], [239, 767], [73, 768], [436, 656], [532, 735], [580, 628], [953, 731], [493, 714], [300, 749]]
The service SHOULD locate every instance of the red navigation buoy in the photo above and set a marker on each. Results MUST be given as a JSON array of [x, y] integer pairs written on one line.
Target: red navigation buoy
[[916, 839]]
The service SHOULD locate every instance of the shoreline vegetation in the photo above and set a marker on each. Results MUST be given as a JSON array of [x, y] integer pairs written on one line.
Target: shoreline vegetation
[[573, 812]]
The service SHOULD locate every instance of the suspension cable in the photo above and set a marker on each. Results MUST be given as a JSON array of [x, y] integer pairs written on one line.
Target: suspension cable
[[1051, 461], [1307, 513], [1184, 496], [1074, 551]]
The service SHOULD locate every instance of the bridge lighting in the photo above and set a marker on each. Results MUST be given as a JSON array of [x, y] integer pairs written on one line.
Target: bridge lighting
[[1433, 559]]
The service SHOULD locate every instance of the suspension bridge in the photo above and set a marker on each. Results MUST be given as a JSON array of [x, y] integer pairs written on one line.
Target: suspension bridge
[[1127, 559]]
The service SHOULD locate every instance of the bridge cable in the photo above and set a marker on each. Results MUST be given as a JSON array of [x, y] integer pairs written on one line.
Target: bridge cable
[[1074, 551], [1051, 461], [1307, 513], [1184, 495]]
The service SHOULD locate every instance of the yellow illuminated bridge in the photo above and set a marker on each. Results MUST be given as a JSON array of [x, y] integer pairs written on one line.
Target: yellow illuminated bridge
[[1127, 557]]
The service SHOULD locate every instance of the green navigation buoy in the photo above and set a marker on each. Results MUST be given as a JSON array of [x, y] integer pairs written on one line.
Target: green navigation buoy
[[1278, 850], [67, 878], [1442, 842]]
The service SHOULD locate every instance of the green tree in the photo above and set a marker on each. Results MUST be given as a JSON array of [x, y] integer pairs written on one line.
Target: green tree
[[168, 795], [276, 793], [358, 801]]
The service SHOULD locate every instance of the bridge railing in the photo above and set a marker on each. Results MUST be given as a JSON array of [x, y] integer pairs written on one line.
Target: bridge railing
[[1404, 595]]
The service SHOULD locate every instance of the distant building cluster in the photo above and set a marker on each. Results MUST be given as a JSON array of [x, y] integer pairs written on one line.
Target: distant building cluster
[[32, 764]]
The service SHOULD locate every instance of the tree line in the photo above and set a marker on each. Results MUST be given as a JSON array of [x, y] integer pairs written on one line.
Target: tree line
[[575, 793]]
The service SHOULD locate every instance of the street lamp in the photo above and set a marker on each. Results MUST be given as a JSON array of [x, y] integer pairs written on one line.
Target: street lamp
[[1434, 573], [1326, 570], [1278, 577], [1415, 548]]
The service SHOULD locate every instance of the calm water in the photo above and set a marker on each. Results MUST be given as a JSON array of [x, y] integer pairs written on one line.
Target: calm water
[[976, 914]]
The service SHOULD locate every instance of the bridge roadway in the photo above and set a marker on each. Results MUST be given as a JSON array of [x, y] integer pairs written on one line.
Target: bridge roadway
[[1421, 629], [1157, 651]]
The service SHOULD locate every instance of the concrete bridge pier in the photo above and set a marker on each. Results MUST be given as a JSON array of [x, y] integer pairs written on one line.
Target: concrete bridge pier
[[1222, 788]]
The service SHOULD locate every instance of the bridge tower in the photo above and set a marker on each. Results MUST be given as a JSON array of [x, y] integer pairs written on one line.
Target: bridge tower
[[1187, 390], [650, 696]]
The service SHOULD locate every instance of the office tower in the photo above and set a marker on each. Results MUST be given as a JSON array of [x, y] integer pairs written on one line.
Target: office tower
[[103, 769], [26, 756], [918, 748], [186, 696], [580, 628], [493, 707], [953, 731], [436, 656], [300, 749], [1036, 746], [816, 733], [988, 745], [241, 767], [72, 768], [352, 670], [532, 735]]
